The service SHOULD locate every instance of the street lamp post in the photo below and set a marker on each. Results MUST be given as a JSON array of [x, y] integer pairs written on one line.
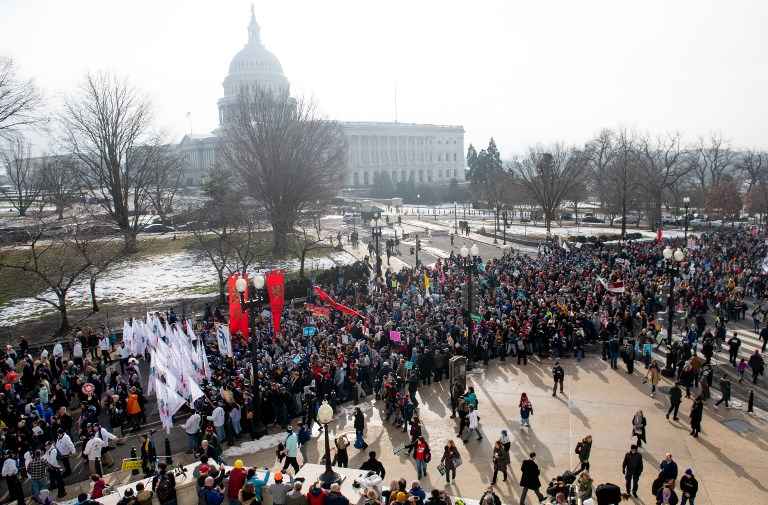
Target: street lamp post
[[252, 305], [505, 226], [455, 220], [417, 248], [672, 261], [376, 234], [686, 201], [468, 262], [324, 417]]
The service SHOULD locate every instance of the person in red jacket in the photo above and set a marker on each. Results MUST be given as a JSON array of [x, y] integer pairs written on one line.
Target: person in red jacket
[[235, 483], [316, 494]]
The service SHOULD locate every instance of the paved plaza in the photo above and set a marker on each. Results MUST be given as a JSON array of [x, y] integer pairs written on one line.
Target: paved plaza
[[731, 466]]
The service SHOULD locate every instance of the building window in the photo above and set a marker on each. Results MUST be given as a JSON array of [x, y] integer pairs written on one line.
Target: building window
[[365, 178], [421, 175], [454, 156], [356, 179]]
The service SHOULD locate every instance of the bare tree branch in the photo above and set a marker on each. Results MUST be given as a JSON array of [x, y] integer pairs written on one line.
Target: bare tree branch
[[19, 101], [24, 178]]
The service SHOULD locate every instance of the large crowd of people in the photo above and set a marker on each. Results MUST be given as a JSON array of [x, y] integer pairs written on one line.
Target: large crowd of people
[[58, 404]]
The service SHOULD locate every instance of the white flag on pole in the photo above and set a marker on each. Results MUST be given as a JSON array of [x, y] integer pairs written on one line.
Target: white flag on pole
[[224, 340]]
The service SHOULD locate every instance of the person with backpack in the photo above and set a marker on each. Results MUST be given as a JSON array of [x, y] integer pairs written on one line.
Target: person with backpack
[[164, 486]]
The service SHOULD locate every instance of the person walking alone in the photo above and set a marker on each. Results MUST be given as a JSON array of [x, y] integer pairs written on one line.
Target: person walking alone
[[675, 398], [689, 486], [529, 478], [583, 450], [652, 377], [450, 458], [558, 375], [423, 456], [632, 468], [638, 427], [697, 413], [500, 461], [725, 391], [291, 451], [526, 410], [359, 429], [474, 424]]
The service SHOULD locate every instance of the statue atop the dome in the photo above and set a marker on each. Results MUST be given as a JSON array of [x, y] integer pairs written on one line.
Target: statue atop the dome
[[254, 32]]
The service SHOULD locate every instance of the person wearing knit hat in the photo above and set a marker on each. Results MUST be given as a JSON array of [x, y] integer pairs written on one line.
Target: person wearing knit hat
[[689, 486]]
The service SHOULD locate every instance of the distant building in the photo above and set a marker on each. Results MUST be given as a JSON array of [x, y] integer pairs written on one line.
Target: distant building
[[426, 153]]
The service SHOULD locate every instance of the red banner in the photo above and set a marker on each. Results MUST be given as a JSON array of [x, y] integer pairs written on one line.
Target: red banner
[[238, 318], [275, 284], [336, 305], [318, 311]]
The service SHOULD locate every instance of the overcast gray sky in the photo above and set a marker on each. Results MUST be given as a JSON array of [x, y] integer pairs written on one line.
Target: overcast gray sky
[[521, 71]]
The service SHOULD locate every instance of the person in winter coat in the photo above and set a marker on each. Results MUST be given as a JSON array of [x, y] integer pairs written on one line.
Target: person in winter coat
[[638, 427], [697, 413], [474, 424], [668, 470], [526, 410], [500, 461], [316, 494], [529, 478], [653, 376], [235, 483], [689, 486], [450, 456], [335, 497], [666, 496], [675, 398], [632, 467], [757, 364], [583, 450], [359, 425], [558, 376]]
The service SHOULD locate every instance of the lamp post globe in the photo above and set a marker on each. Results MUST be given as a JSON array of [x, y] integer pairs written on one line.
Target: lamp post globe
[[258, 281], [464, 252], [325, 416], [679, 255], [667, 252], [240, 285], [474, 250]]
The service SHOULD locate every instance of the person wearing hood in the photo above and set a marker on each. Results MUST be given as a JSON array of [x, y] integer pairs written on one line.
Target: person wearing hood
[[235, 483], [316, 494]]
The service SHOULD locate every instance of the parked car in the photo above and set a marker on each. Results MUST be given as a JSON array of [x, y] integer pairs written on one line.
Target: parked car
[[592, 219], [99, 230], [158, 228]]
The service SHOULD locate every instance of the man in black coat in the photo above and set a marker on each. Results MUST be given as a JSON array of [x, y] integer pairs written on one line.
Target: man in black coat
[[632, 467], [529, 480], [675, 398]]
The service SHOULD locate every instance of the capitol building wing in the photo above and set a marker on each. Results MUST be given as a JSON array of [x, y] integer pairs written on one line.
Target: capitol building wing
[[426, 153]]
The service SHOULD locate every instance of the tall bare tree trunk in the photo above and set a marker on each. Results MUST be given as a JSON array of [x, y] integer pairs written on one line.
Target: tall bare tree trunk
[[94, 303], [222, 288], [64, 325], [131, 244]]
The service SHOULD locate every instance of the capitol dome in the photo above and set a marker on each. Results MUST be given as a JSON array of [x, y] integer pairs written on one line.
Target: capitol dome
[[253, 67]]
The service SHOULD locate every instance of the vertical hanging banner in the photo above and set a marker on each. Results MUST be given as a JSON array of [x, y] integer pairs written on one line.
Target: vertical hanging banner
[[224, 340], [275, 283], [235, 310]]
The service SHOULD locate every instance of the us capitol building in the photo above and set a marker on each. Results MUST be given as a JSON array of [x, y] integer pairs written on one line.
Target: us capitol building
[[428, 153]]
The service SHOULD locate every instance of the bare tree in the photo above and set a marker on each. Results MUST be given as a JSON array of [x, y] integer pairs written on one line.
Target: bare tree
[[99, 260], [51, 264], [754, 165], [306, 238], [25, 182], [549, 173], [714, 158], [19, 101], [58, 182], [108, 129], [166, 175], [287, 155], [601, 151], [663, 165]]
